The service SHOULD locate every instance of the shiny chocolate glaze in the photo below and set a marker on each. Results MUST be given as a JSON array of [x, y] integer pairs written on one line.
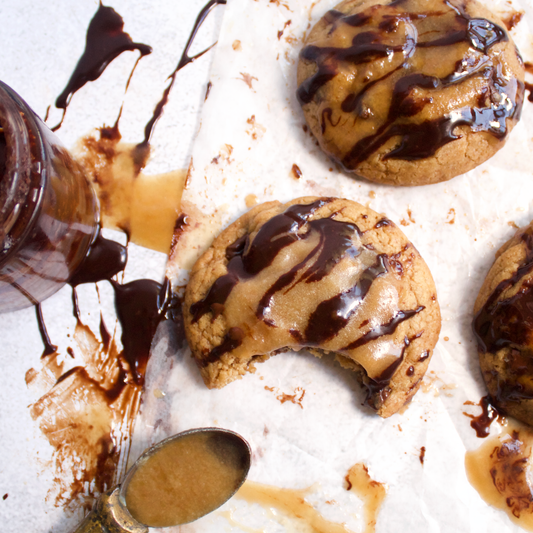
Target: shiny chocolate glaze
[[418, 140], [105, 41], [508, 323], [335, 240]]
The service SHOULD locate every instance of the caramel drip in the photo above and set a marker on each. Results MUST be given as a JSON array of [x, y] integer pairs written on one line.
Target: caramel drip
[[423, 139]]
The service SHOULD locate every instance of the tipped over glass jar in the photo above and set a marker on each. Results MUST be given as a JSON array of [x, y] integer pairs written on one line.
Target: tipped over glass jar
[[48, 211]]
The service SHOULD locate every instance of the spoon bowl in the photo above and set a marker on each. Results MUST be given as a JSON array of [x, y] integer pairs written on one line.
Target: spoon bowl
[[174, 482]]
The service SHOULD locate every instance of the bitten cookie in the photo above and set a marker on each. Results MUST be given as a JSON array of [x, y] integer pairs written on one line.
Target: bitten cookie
[[325, 274], [503, 326], [410, 92]]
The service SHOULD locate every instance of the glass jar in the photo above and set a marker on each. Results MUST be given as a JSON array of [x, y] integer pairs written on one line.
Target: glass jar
[[48, 211]]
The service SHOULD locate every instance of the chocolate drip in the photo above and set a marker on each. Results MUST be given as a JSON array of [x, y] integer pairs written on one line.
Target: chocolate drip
[[244, 263], [49, 348], [334, 314], [482, 422], [383, 329], [419, 140], [379, 386], [184, 61], [138, 304], [105, 41], [508, 323], [232, 340], [335, 239], [104, 260]]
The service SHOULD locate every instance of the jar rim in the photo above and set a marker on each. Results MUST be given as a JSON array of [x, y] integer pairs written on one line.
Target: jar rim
[[22, 186]]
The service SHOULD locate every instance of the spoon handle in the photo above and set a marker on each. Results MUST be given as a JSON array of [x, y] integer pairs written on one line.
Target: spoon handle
[[110, 516]]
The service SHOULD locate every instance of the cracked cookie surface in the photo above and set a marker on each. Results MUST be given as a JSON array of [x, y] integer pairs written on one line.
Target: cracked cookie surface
[[325, 274], [410, 92]]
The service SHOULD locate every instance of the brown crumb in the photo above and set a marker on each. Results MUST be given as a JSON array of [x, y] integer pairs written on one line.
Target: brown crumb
[[446, 338], [451, 216], [512, 19], [280, 33], [237, 45], [422, 455], [296, 172], [513, 224], [250, 200], [248, 79], [372, 194]]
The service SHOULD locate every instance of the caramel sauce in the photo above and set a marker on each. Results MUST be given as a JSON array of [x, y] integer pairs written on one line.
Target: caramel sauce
[[371, 492], [499, 471], [145, 207], [291, 502], [184, 480]]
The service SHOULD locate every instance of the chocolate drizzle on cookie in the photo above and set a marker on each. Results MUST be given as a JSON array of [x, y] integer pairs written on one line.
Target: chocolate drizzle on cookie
[[507, 323], [398, 37], [323, 243]]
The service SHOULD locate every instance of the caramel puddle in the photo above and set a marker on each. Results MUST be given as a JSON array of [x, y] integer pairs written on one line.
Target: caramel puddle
[[292, 502], [500, 470], [146, 207]]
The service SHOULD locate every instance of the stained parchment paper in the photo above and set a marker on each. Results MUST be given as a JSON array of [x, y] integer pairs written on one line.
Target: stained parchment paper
[[250, 136]]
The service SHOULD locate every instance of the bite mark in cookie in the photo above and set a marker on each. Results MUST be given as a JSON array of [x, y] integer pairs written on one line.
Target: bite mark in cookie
[[320, 273]]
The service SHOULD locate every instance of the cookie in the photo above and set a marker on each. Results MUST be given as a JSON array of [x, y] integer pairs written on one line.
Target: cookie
[[503, 326], [325, 274], [410, 92]]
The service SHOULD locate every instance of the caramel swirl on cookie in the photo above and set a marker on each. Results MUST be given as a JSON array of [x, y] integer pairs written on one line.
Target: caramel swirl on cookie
[[410, 92], [325, 274]]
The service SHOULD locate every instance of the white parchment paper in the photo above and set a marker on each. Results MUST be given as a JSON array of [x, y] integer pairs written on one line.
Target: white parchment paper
[[250, 136]]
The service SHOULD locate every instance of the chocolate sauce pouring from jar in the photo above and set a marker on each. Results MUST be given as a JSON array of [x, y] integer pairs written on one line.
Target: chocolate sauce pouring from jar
[[417, 141], [140, 304], [86, 256]]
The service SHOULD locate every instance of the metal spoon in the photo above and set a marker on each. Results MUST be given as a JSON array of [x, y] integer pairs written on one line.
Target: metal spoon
[[111, 513]]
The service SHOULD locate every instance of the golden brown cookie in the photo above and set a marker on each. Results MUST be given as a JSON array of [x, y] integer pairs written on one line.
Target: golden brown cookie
[[503, 326], [410, 92], [325, 274]]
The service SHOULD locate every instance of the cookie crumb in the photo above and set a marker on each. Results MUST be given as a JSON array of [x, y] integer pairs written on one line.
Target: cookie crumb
[[251, 200], [513, 224], [296, 172], [237, 45], [372, 194]]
